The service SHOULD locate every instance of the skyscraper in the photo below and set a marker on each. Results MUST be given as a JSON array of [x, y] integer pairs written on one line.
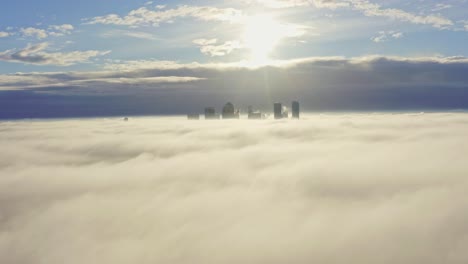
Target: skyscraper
[[295, 109], [229, 112], [278, 110], [210, 113]]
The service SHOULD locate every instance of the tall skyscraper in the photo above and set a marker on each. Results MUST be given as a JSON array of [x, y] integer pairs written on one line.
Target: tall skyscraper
[[295, 109], [210, 113], [278, 110], [250, 110], [229, 112]]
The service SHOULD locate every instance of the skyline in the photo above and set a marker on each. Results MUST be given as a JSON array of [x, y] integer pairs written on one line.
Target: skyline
[[343, 136], [153, 57]]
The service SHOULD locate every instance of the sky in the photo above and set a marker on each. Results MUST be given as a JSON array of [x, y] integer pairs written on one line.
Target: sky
[[329, 188], [93, 58]]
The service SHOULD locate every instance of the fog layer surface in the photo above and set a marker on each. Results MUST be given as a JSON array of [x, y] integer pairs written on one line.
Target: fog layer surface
[[338, 188]]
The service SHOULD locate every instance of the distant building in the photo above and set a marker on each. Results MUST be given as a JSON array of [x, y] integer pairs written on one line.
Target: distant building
[[255, 115], [193, 116], [295, 109], [210, 113], [229, 112], [278, 110]]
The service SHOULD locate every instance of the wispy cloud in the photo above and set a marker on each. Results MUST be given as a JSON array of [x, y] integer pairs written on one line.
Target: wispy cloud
[[370, 9], [37, 54], [441, 6], [117, 33], [384, 36], [53, 30], [148, 17], [212, 48]]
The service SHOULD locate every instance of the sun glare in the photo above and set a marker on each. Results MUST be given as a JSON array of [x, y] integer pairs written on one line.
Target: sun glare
[[260, 37]]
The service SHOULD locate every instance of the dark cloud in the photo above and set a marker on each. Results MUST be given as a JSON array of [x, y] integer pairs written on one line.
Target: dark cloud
[[334, 83]]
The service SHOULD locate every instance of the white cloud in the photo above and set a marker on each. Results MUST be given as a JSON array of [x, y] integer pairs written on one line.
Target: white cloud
[[53, 30], [332, 4], [60, 30], [4, 34], [441, 6], [211, 48], [128, 33], [34, 32], [381, 188], [372, 9], [384, 36], [465, 24], [147, 17], [280, 3], [37, 54], [368, 8]]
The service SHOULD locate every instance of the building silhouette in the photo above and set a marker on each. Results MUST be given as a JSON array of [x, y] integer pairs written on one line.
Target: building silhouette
[[229, 112], [193, 116], [210, 113], [295, 109], [278, 110]]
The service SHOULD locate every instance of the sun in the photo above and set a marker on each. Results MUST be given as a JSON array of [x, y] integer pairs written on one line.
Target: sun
[[261, 35]]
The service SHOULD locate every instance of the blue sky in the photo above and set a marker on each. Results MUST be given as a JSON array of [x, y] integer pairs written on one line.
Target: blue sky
[[104, 38]]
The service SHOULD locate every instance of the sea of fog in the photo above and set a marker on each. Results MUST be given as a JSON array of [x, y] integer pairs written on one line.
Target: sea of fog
[[331, 188]]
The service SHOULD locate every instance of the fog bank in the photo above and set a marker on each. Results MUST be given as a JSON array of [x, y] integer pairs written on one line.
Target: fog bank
[[335, 188]]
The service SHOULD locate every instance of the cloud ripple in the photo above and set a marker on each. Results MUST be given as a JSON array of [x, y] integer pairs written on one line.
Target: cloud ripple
[[359, 188]]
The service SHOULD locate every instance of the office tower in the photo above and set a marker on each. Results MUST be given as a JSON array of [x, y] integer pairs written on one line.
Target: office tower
[[254, 114], [193, 116], [229, 112], [295, 109], [250, 110], [210, 113], [278, 109]]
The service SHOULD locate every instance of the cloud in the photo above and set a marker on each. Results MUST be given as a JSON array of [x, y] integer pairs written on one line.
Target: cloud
[[368, 8], [366, 188], [210, 47], [372, 9], [465, 24], [61, 30], [34, 32], [128, 33], [331, 4], [440, 6], [37, 54], [147, 17], [168, 87], [4, 34], [53, 30], [324, 71], [384, 36]]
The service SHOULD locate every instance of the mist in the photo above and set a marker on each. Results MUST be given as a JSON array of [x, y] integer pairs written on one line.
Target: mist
[[329, 188]]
